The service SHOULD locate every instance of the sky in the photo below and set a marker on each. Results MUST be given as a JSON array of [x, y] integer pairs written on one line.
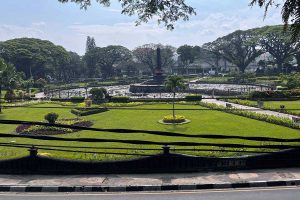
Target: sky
[[68, 25]]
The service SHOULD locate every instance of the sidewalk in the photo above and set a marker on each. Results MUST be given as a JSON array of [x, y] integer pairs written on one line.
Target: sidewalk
[[149, 182]]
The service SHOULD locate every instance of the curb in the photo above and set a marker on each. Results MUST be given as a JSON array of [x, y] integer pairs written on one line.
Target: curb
[[148, 188]]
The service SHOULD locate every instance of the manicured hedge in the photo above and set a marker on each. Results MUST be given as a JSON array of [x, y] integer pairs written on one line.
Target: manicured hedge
[[86, 112], [275, 94], [193, 97], [77, 99], [171, 119], [120, 99]]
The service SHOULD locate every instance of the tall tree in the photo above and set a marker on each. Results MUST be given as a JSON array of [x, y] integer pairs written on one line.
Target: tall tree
[[9, 77], [166, 11], [75, 67], [108, 58], [239, 48], [90, 57], [297, 56], [210, 56], [187, 55], [35, 57], [147, 56], [277, 43], [90, 44]]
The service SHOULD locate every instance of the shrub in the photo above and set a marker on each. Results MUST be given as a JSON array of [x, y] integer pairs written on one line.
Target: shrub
[[171, 119], [275, 94], [50, 130], [88, 103], [41, 83], [77, 99], [131, 104], [51, 117], [193, 97], [10, 96], [98, 94], [120, 99], [86, 112]]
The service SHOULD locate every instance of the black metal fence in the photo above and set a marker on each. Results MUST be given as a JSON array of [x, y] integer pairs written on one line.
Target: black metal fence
[[287, 154]]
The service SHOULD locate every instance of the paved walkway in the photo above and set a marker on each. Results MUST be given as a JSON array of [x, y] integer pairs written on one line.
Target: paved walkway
[[152, 179], [251, 109]]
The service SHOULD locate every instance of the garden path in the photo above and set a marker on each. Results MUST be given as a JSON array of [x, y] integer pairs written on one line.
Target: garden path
[[249, 108]]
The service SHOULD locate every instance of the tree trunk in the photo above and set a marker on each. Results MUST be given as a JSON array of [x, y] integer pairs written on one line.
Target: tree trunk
[[279, 66]]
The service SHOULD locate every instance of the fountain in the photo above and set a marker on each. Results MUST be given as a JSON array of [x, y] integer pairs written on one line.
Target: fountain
[[156, 84]]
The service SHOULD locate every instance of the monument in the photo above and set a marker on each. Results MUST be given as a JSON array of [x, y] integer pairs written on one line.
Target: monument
[[156, 84]]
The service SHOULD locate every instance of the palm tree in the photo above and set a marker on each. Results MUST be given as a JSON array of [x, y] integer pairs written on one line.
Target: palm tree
[[9, 77], [173, 84]]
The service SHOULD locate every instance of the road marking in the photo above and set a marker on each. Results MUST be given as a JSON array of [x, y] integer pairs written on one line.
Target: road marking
[[154, 193]]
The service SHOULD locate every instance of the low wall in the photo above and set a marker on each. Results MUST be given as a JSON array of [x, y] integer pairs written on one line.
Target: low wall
[[162, 163]]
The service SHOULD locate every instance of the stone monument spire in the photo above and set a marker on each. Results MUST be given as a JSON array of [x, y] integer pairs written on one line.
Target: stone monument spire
[[158, 69]]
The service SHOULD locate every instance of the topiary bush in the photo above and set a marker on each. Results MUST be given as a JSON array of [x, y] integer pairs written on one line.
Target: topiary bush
[[170, 119], [77, 99], [275, 94], [51, 117], [98, 94], [86, 112], [88, 103], [120, 99], [10, 96], [193, 97]]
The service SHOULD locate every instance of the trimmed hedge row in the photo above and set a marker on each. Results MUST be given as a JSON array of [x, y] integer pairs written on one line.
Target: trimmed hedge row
[[193, 97], [120, 99], [77, 99], [86, 112], [275, 94]]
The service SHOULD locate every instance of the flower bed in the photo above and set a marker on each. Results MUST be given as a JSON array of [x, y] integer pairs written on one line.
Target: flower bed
[[51, 130], [171, 119]]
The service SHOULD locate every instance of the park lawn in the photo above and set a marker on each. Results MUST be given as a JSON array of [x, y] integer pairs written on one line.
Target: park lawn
[[203, 122], [288, 105], [274, 105]]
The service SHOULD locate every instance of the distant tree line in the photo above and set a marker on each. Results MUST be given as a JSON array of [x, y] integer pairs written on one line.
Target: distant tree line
[[36, 58]]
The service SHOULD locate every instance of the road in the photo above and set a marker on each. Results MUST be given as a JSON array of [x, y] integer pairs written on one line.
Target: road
[[287, 193]]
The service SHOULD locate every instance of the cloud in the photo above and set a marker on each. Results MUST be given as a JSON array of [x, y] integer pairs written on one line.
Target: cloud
[[13, 31], [194, 32], [199, 30]]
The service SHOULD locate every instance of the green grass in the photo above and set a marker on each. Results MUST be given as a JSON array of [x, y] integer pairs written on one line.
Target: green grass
[[271, 105], [203, 122]]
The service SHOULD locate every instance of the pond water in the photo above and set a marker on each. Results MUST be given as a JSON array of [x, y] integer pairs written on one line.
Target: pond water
[[123, 90]]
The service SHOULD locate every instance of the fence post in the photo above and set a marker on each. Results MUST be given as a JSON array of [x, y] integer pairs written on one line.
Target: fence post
[[166, 149], [33, 151]]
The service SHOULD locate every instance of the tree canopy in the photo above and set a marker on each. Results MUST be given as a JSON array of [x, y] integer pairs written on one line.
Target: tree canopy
[[146, 55], [35, 57], [290, 13], [276, 42], [166, 11], [239, 48]]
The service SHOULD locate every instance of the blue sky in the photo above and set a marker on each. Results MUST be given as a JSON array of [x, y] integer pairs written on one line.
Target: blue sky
[[68, 25]]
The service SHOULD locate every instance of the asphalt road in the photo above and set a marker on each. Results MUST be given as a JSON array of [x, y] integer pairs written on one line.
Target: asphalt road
[[287, 193]]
